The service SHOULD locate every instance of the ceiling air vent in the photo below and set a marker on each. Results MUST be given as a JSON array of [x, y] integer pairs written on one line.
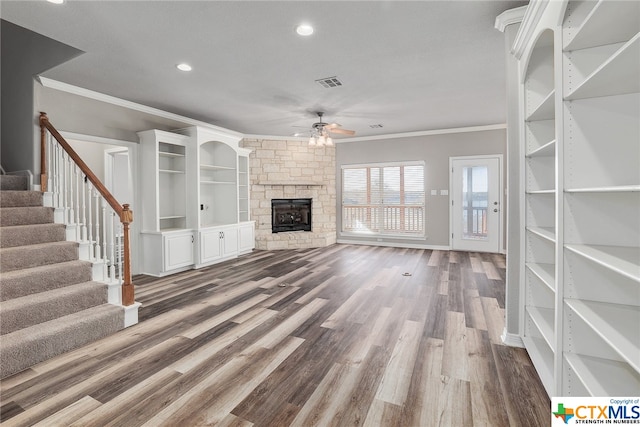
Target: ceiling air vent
[[375, 126], [329, 82]]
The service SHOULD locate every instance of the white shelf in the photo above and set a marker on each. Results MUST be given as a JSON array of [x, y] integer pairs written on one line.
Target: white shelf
[[614, 189], [547, 233], [217, 182], [169, 171], [547, 150], [604, 377], [545, 110], [164, 218], [543, 319], [542, 358], [169, 154], [622, 260], [216, 168], [551, 191], [616, 324], [608, 22], [544, 272], [618, 75]]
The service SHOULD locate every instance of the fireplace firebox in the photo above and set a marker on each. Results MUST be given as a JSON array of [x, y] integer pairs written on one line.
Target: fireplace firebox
[[290, 215]]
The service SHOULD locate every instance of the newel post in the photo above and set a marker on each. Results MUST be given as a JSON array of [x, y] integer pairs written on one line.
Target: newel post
[[43, 151], [128, 297]]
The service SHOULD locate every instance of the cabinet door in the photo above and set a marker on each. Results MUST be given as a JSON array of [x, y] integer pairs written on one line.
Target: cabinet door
[[247, 238], [210, 245], [230, 241], [178, 251]]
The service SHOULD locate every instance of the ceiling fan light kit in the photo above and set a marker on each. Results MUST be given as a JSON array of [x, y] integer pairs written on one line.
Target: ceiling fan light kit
[[320, 132]]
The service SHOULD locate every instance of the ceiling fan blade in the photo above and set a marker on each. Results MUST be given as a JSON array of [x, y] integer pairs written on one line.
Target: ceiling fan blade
[[332, 125], [342, 131]]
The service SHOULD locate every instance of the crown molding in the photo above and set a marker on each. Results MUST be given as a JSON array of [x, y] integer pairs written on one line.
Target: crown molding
[[509, 17], [87, 93], [422, 133], [532, 16]]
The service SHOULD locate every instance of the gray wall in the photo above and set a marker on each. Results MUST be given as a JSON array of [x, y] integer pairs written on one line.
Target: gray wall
[[435, 151], [24, 55], [74, 113]]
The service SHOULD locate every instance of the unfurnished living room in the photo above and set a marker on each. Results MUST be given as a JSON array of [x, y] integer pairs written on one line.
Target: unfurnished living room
[[319, 213]]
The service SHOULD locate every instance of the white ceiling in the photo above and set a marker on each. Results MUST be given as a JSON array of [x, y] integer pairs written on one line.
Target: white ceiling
[[410, 66]]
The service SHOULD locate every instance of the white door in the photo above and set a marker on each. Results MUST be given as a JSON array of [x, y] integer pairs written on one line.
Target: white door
[[476, 203]]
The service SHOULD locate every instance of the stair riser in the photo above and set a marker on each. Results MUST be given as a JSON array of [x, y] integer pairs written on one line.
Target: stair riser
[[11, 199], [21, 236], [25, 216], [35, 311], [28, 256], [27, 347], [54, 277], [14, 182]]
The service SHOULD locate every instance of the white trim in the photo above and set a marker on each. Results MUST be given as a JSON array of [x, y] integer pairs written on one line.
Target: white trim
[[512, 340], [423, 133], [509, 17], [87, 93], [279, 138], [99, 139], [532, 16], [393, 244]]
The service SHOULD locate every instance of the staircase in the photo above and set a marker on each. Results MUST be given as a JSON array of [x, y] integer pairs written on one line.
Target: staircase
[[48, 302]]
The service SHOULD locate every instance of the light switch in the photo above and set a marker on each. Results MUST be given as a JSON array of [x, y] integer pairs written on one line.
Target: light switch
[[444, 192], [434, 192]]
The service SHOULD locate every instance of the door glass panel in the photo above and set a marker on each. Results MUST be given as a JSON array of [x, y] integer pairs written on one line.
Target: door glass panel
[[475, 202]]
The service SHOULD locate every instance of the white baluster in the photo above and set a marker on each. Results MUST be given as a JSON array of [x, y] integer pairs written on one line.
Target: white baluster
[[118, 227], [56, 176], [63, 184], [77, 174], [90, 216], [84, 210], [112, 267], [105, 225], [72, 213], [50, 152], [97, 242]]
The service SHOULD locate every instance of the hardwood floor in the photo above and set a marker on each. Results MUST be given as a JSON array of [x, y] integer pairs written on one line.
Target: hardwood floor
[[340, 336]]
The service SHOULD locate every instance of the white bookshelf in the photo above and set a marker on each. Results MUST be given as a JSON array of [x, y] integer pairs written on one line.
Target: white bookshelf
[[581, 186]]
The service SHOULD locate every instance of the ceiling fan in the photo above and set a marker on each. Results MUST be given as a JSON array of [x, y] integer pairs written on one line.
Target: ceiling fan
[[321, 132], [321, 126]]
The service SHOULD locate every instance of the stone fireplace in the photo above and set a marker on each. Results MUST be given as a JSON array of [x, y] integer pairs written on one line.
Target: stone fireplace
[[290, 169]]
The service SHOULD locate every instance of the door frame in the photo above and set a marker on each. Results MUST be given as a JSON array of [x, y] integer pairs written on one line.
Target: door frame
[[501, 217]]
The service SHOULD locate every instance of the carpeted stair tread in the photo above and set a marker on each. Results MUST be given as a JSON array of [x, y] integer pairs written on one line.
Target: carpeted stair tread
[[34, 255], [29, 346], [18, 283], [25, 215], [11, 199], [23, 235], [20, 313], [14, 182]]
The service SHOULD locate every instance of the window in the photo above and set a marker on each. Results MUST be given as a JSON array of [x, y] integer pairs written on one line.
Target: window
[[383, 199]]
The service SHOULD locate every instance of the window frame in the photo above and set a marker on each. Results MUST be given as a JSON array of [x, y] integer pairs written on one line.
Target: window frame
[[382, 233]]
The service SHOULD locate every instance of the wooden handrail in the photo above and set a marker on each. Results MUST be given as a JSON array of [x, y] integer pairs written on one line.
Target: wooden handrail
[[126, 215]]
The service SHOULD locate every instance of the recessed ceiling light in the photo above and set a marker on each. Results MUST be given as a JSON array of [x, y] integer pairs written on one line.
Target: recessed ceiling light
[[304, 29], [56, 1], [183, 67]]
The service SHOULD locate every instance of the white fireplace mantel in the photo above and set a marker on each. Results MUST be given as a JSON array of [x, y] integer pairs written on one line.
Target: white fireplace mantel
[[291, 184]]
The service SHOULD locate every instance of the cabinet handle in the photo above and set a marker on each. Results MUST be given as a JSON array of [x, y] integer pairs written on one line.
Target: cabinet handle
[[192, 239]]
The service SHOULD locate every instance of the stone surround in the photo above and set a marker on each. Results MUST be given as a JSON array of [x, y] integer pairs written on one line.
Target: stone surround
[[287, 169]]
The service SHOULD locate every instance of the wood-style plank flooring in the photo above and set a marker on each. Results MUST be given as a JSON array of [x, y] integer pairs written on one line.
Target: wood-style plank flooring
[[338, 336]]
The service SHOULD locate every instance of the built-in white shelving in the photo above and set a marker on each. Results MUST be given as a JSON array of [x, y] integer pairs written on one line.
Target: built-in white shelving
[[581, 189]]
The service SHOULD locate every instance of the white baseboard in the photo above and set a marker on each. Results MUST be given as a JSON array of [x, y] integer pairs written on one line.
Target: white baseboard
[[512, 340], [131, 314]]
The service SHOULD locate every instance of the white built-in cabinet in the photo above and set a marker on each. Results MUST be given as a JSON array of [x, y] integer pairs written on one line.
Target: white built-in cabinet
[[195, 209], [581, 193]]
